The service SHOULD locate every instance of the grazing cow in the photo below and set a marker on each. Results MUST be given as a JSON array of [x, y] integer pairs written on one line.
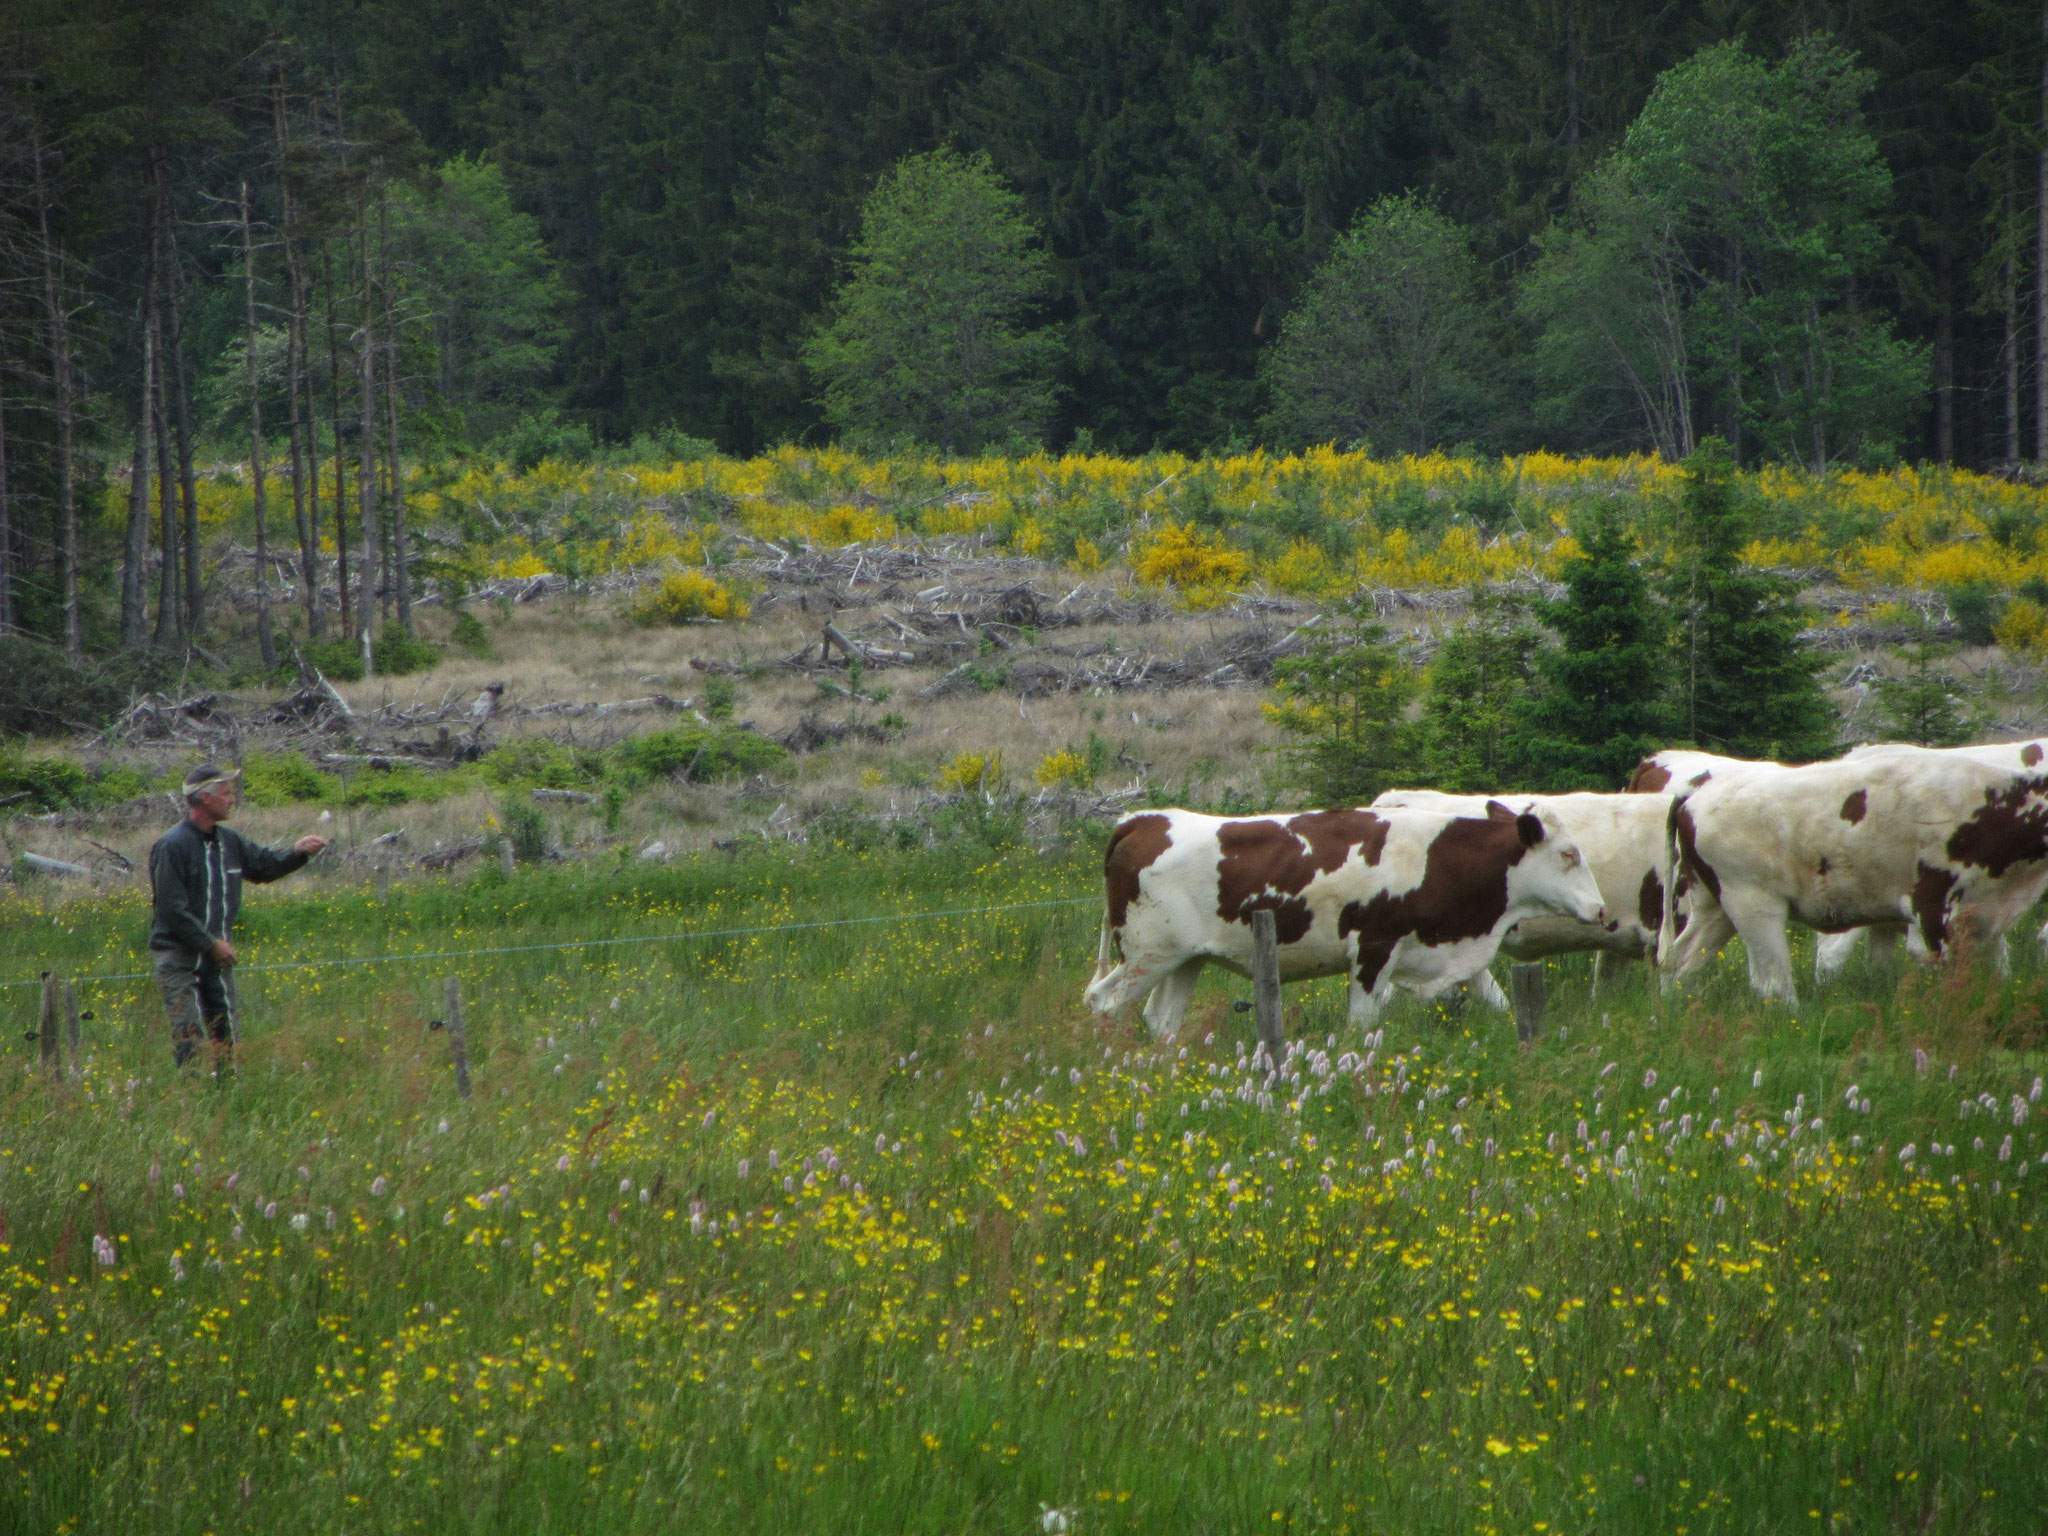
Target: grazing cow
[[1680, 770], [1407, 898], [1955, 847], [1833, 950]]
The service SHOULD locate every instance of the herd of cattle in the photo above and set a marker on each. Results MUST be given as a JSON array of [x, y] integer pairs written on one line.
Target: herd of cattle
[[1418, 891]]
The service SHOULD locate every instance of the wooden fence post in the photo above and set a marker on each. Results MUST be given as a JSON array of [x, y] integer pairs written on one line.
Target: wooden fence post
[[1266, 983], [71, 1024], [458, 1042], [46, 1032], [383, 885], [505, 856], [1525, 982]]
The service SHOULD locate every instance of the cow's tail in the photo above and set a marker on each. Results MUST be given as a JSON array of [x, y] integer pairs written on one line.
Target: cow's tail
[[1670, 862], [1107, 957]]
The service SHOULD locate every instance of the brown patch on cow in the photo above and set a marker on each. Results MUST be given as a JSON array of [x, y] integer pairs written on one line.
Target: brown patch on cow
[[1856, 806], [1134, 847], [1688, 850], [1263, 863], [1930, 905], [1649, 778], [1650, 901], [1679, 916], [2010, 827], [1463, 893], [1699, 778], [2030, 755]]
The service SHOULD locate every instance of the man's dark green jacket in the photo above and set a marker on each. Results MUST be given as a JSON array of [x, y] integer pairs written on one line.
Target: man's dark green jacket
[[196, 881]]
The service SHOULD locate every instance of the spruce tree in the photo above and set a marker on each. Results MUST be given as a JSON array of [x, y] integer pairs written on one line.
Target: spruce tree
[[1345, 701], [1744, 684], [1598, 705], [1474, 714]]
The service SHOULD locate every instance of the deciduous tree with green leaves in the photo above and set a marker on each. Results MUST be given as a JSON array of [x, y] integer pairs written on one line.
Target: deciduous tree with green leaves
[[1383, 346], [930, 336]]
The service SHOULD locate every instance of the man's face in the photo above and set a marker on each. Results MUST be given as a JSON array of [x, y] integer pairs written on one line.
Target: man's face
[[218, 801]]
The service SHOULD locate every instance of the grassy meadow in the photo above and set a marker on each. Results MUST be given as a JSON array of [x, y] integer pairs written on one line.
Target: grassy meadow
[[872, 1227]]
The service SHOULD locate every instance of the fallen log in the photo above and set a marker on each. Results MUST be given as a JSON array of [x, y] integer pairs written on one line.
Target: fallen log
[[43, 866]]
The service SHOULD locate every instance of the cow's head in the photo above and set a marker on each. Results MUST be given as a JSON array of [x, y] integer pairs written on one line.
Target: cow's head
[[1551, 874]]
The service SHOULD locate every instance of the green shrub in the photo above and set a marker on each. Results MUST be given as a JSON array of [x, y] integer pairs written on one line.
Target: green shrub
[[47, 694], [50, 783], [542, 435], [398, 654], [523, 827], [720, 696], [285, 778], [471, 635], [698, 753], [534, 762], [1975, 606], [339, 659], [403, 786]]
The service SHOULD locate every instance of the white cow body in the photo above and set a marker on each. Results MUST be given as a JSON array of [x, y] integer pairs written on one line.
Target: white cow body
[[1621, 839], [1956, 847], [1389, 898]]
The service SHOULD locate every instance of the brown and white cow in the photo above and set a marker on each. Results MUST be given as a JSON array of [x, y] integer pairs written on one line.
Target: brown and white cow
[[1835, 949], [1388, 898], [1955, 847]]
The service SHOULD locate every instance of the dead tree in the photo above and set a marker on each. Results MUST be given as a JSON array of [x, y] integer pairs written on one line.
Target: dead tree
[[401, 574], [58, 320], [135, 547], [266, 643], [306, 519], [366, 444]]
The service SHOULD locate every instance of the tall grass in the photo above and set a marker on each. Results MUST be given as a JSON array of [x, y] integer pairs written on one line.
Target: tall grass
[[873, 1228]]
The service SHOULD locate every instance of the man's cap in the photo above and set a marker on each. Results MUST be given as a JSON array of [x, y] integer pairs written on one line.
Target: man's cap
[[209, 776]]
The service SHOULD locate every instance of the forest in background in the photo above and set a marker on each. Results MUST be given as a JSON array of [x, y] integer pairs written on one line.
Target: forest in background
[[392, 233]]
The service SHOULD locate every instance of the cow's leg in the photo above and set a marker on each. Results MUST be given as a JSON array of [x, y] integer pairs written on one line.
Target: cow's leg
[[1365, 1007], [1760, 920], [1124, 985], [1599, 965], [1168, 1004], [1832, 951], [1488, 991]]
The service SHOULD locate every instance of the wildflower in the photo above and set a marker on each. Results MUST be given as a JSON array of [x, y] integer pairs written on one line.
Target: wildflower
[[1756, 1078], [103, 1250], [235, 1235], [1650, 1078], [881, 1145], [1906, 1152], [178, 1190], [789, 1183], [1080, 1147], [156, 1169], [745, 1167], [2019, 1110], [177, 1269], [1583, 1132], [709, 1116], [379, 1185], [270, 1211], [562, 1163], [625, 1186], [1054, 1521], [330, 1218], [300, 1221], [444, 1127], [1488, 1149], [2034, 1093], [1720, 1205], [1604, 1070], [234, 1179], [1919, 1061], [1141, 1120]]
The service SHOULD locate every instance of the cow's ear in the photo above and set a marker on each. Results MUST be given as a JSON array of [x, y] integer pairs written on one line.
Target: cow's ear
[[1495, 811], [1529, 827]]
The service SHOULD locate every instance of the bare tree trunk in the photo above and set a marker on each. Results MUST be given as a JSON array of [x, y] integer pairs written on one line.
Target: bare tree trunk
[[366, 444], [265, 641], [60, 378], [306, 526], [135, 548], [400, 564], [2011, 354], [181, 421], [6, 505], [167, 516], [2041, 261], [1945, 361], [348, 628]]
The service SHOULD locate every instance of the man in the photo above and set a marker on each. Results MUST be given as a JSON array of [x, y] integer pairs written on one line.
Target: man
[[196, 872]]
